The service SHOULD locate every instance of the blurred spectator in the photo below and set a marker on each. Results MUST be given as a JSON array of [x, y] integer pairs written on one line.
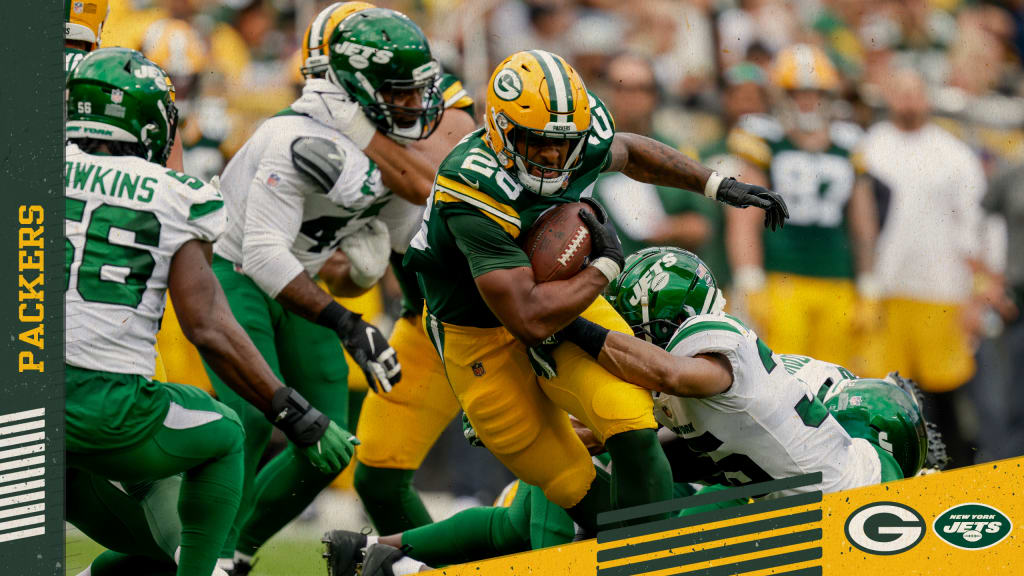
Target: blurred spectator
[[796, 285], [1005, 198], [926, 250], [644, 214]]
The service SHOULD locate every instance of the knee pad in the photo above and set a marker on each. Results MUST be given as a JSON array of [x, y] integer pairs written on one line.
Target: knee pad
[[571, 484], [501, 422]]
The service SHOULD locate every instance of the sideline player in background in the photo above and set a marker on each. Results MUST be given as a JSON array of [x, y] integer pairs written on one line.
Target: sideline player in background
[[791, 283], [134, 230], [546, 140], [397, 429]]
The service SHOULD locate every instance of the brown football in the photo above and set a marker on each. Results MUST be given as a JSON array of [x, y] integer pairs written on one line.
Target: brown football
[[558, 243]]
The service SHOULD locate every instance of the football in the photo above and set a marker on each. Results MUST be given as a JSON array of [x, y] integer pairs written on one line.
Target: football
[[558, 243]]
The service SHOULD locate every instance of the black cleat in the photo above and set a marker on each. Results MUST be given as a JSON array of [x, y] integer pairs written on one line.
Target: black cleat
[[241, 568], [379, 560], [344, 552]]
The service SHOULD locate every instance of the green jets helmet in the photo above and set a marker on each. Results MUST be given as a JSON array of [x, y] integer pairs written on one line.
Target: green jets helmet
[[119, 95], [884, 413], [382, 59], [659, 288]]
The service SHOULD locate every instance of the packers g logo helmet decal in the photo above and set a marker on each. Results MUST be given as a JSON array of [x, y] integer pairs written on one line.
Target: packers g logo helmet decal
[[508, 85], [885, 528]]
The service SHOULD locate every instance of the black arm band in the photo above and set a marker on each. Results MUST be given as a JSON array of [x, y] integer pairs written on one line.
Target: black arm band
[[585, 334], [337, 318], [298, 419]]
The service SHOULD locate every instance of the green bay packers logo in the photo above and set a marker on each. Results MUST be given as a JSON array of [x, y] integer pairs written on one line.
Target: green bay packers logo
[[508, 85], [972, 526], [885, 528], [360, 56]]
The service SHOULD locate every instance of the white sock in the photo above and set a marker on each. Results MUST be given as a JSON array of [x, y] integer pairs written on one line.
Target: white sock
[[226, 563], [407, 566], [371, 540], [243, 557]]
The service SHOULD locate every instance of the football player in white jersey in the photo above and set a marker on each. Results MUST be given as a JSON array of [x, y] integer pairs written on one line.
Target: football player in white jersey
[[134, 231], [299, 190]]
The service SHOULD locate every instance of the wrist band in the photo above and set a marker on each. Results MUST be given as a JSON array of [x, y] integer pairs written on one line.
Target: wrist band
[[711, 187], [608, 267], [336, 317], [360, 131], [585, 334]]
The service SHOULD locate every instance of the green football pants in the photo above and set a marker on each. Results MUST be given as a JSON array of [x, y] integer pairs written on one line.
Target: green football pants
[[305, 356], [131, 500]]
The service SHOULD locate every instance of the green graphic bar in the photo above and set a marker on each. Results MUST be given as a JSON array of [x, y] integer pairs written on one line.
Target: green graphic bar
[[758, 507], [31, 290], [644, 510], [709, 535]]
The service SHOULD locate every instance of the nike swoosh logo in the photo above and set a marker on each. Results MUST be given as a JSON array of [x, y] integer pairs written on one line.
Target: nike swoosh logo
[[475, 185], [369, 337]]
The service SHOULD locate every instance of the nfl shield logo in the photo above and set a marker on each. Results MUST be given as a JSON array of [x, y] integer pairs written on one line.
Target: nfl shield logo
[[116, 96], [78, 7], [478, 369], [273, 179]]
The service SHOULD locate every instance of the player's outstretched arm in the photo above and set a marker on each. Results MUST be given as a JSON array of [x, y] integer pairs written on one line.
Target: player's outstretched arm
[[409, 170], [208, 323], [647, 160], [644, 364]]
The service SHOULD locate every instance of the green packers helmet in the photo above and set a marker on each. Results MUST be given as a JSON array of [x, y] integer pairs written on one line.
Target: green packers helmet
[[382, 59], [659, 288], [884, 413], [119, 95]]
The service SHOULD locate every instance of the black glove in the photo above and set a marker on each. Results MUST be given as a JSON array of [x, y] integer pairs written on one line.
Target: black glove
[[604, 242], [735, 193], [297, 418], [368, 347]]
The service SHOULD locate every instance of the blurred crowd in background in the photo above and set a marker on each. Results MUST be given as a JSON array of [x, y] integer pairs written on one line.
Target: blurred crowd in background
[[927, 97]]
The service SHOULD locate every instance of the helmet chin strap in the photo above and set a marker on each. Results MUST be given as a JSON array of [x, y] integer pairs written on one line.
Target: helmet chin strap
[[645, 315]]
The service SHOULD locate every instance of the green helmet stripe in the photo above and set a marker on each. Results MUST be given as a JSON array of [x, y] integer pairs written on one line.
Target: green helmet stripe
[[318, 29], [700, 326], [557, 83]]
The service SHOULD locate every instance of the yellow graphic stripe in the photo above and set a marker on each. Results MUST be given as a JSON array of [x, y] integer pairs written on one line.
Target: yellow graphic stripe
[[455, 96]]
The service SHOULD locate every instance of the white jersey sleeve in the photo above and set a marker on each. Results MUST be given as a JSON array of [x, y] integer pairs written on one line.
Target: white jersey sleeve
[[125, 220], [817, 374]]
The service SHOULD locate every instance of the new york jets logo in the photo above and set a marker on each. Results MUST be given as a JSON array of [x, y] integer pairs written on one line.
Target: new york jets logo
[[360, 56], [654, 279], [972, 526], [885, 528], [508, 85]]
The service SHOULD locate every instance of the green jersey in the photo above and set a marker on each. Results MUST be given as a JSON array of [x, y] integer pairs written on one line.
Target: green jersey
[[817, 187], [476, 213]]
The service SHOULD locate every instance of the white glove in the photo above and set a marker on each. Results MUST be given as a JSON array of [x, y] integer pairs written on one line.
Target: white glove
[[368, 251], [329, 105]]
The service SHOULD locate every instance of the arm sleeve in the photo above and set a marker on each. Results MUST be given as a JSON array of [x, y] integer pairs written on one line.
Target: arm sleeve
[[273, 217], [486, 246]]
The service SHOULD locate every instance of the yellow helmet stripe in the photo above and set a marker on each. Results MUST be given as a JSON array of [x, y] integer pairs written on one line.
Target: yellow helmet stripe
[[317, 28], [559, 91]]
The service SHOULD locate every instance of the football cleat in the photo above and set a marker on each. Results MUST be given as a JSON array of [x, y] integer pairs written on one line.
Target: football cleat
[[241, 568], [936, 458], [344, 552], [379, 560]]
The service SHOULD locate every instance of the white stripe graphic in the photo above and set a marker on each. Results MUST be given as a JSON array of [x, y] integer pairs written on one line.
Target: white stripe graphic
[[22, 534], [315, 38], [21, 427], [22, 439], [22, 522], [561, 100], [22, 487], [24, 462], [22, 510], [5, 454], [22, 498], [22, 415]]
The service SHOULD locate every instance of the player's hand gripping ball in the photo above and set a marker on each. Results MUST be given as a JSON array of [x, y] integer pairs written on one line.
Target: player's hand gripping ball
[[558, 244]]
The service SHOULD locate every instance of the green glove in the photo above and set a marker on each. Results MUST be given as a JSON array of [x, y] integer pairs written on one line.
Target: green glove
[[332, 453], [470, 433]]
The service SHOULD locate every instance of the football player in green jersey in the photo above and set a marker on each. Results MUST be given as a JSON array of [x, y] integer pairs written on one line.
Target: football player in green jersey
[[128, 436], [545, 141]]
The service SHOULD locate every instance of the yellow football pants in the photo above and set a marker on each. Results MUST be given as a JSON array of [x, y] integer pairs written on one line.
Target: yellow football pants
[[807, 315], [522, 418], [179, 357], [397, 429]]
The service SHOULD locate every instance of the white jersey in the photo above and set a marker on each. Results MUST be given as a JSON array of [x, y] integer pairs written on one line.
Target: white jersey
[[821, 376], [768, 424], [126, 218], [282, 222]]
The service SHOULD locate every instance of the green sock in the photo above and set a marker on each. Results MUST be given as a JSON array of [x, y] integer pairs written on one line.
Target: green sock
[[207, 506], [598, 499], [473, 534], [640, 471], [281, 491], [112, 563], [389, 499]]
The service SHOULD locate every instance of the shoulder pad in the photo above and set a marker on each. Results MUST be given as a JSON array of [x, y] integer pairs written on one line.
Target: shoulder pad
[[318, 158], [719, 324], [846, 135]]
